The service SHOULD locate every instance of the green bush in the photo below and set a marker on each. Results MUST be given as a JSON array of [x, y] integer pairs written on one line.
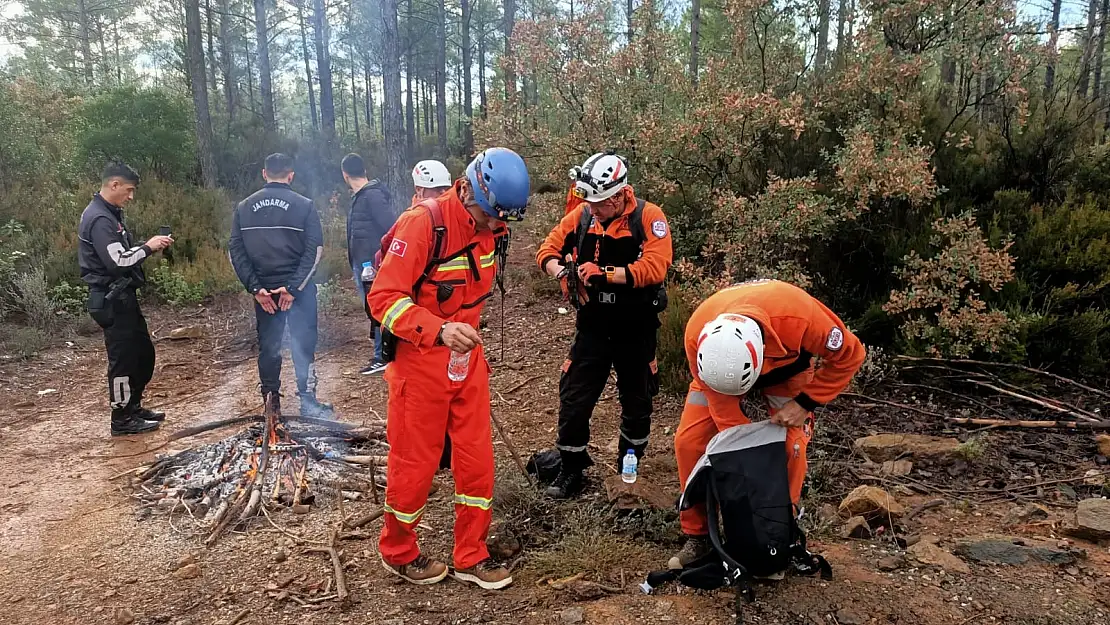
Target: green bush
[[35, 301], [674, 370], [172, 287], [23, 341]]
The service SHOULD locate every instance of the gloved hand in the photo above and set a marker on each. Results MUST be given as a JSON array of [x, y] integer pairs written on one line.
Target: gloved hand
[[368, 273], [591, 273]]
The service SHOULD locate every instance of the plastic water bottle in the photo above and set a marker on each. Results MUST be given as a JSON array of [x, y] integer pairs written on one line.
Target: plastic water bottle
[[628, 467], [368, 272], [458, 366]]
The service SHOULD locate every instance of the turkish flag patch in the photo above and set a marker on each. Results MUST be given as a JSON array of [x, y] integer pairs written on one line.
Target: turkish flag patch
[[835, 341], [398, 247]]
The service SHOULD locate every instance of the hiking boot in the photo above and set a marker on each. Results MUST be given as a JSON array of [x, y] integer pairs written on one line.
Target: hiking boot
[[314, 408], [567, 484], [375, 367], [422, 571], [696, 547], [150, 415], [133, 424], [773, 577], [487, 574]]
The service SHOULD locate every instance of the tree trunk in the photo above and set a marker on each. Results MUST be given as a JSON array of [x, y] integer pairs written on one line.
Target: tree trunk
[[307, 68], [210, 36], [392, 133], [482, 69], [354, 97], [86, 46], [841, 19], [265, 77], [119, 65], [1100, 50], [250, 77], [947, 80], [1088, 49], [194, 56], [369, 99], [509, 22], [441, 76], [695, 35], [822, 36], [323, 69], [628, 18], [226, 65], [1053, 37], [410, 122], [426, 104], [467, 99]]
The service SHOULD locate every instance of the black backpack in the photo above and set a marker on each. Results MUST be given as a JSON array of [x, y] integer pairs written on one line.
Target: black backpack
[[742, 481], [658, 295]]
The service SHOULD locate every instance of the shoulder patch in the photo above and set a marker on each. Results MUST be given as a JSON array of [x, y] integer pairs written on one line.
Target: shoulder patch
[[659, 228], [835, 341], [398, 247]]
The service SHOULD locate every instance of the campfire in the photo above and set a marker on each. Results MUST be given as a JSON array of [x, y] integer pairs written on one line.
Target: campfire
[[276, 463]]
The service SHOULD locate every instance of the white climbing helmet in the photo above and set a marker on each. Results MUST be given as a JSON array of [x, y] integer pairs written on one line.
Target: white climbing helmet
[[600, 177], [431, 175], [730, 354]]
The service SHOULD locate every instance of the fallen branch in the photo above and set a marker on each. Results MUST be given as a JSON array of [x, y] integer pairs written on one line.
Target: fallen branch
[[337, 565], [1004, 423], [240, 616], [365, 460], [509, 442], [1007, 365], [1034, 400], [364, 519], [893, 403], [928, 505], [517, 387]]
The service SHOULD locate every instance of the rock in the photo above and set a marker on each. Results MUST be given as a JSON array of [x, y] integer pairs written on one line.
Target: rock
[[189, 571], [185, 561], [281, 556], [891, 563], [1094, 477], [929, 553], [186, 332], [883, 447], [638, 495], [871, 502], [855, 527], [123, 616], [897, 467], [1006, 551], [571, 616], [1103, 444], [502, 543], [1092, 518], [1019, 515], [846, 617]]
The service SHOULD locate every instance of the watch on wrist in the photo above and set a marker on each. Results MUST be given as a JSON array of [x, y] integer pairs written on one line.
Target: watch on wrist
[[439, 335], [610, 274]]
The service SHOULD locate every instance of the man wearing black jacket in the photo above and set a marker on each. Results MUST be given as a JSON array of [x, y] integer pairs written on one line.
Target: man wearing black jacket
[[276, 245], [370, 217], [111, 264]]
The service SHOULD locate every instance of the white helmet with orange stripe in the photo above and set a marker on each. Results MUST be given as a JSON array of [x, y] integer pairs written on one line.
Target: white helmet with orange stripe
[[600, 177], [730, 354], [430, 175]]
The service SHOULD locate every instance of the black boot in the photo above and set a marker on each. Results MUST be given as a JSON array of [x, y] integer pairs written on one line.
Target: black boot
[[271, 399], [314, 408], [567, 485], [132, 423], [151, 415]]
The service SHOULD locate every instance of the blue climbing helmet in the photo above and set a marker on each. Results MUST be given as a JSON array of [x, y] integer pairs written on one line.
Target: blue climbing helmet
[[499, 179]]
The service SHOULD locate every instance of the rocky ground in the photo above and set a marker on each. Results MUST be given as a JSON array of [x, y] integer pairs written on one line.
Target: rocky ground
[[945, 527]]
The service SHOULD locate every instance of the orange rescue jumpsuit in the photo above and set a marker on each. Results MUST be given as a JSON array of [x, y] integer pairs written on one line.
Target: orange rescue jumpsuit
[[796, 327], [424, 403]]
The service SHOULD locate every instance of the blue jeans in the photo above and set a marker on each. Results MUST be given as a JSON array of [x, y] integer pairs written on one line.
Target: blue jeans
[[375, 327], [301, 319]]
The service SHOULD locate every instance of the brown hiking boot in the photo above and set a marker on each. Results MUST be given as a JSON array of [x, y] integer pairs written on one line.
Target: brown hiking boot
[[421, 571], [696, 547], [487, 574]]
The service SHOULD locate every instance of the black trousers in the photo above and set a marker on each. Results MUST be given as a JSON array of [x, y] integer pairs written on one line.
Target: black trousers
[[130, 350], [303, 332], [630, 351]]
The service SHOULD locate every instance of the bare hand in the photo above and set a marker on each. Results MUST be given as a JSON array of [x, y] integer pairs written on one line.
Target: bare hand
[[159, 242], [266, 301], [460, 337], [792, 415], [554, 268], [285, 298]]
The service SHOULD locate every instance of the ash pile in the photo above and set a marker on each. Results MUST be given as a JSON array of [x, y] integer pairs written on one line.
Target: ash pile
[[278, 463]]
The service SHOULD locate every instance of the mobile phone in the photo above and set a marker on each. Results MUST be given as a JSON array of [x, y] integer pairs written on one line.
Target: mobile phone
[[164, 231]]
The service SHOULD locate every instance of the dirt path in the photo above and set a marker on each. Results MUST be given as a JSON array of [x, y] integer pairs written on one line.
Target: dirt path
[[73, 549]]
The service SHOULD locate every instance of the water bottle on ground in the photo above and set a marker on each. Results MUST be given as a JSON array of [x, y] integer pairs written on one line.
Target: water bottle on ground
[[628, 467], [458, 366]]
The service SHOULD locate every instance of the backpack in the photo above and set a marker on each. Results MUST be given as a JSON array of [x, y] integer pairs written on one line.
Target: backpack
[[658, 296], [742, 481]]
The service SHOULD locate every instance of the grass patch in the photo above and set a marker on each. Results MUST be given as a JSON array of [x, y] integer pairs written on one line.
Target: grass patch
[[22, 342], [973, 448]]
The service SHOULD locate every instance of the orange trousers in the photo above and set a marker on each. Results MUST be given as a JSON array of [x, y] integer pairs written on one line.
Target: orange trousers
[[697, 426], [423, 405]]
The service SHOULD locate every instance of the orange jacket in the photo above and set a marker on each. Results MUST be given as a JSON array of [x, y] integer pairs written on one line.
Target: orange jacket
[[796, 327], [417, 318], [572, 200], [613, 244]]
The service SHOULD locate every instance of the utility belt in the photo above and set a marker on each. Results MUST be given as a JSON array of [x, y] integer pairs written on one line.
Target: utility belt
[[654, 297]]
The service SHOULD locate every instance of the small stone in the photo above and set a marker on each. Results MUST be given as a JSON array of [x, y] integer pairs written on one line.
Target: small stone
[[873, 503], [301, 508], [502, 543], [572, 616], [856, 527], [846, 617], [98, 609], [123, 616], [186, 332], [1003, 550], [1072, 570], [933, 555], [1103, 445], [189, 571], [281, 555], [639, 495], [897, 468], [1024, 514], [892, 563], [883, 447], [1092, 517], [185, 561]]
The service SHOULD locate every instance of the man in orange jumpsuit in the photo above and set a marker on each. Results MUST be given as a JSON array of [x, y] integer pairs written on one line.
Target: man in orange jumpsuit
[[758, 336], [439, 269]]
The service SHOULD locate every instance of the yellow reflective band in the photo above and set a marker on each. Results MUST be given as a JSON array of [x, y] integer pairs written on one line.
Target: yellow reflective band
[[459, 264], [407, 519], [474, 502], [396, 310], [488, 260]]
